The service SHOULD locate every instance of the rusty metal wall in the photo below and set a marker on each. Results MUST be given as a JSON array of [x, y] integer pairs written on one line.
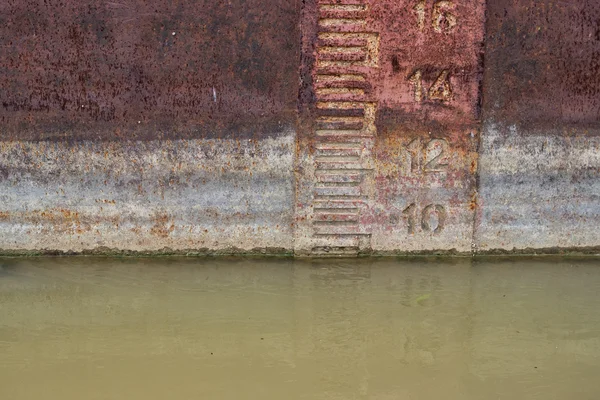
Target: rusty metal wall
[[316, 127]]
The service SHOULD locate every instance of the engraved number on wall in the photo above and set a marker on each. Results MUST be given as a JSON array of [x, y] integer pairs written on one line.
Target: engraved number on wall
[[431, 218], [443, 19], [441, 89], [427, 157]]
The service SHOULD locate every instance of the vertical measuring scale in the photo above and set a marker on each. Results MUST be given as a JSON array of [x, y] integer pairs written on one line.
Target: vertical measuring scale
[[387, 152]]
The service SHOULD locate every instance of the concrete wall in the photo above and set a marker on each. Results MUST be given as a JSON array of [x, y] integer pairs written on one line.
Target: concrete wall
[[307, 127], [540, 154], [183, 195]]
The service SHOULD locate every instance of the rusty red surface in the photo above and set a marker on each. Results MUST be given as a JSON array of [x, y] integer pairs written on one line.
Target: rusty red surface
[[543, 64], [391, 98], [147, 69]]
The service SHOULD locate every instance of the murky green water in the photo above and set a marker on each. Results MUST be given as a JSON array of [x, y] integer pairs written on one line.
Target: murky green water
[[93, 328]]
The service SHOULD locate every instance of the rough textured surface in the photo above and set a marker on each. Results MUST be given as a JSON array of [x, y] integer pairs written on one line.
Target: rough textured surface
[[317, 126], [390, 108], [540, 149], [147, 125], [538, 191], [190, 195], [147, 69], [543, 65]]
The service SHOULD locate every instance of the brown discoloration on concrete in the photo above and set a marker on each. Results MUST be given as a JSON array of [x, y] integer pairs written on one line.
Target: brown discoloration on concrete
[[145, 196], [543, 65], [147, 69]]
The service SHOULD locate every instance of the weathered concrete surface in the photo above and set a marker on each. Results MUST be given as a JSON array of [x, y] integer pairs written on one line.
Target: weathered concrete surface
[[315, 127], [183, 195], [538, 191], [540, 149], [147, 125]]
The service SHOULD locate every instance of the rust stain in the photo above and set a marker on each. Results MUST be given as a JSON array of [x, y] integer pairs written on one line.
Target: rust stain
[[473, 204], [163, 226], [473, 168], [57, 220]]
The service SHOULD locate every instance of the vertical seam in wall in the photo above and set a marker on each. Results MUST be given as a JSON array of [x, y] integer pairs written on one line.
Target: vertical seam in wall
[[304, 90], [299, 3], [476, 196]]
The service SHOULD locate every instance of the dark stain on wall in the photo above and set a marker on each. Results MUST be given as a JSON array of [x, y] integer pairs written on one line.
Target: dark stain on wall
[[147, 69], [543, 64]]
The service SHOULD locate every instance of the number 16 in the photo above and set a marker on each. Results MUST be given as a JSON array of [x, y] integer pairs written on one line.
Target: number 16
[[442, 20]]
